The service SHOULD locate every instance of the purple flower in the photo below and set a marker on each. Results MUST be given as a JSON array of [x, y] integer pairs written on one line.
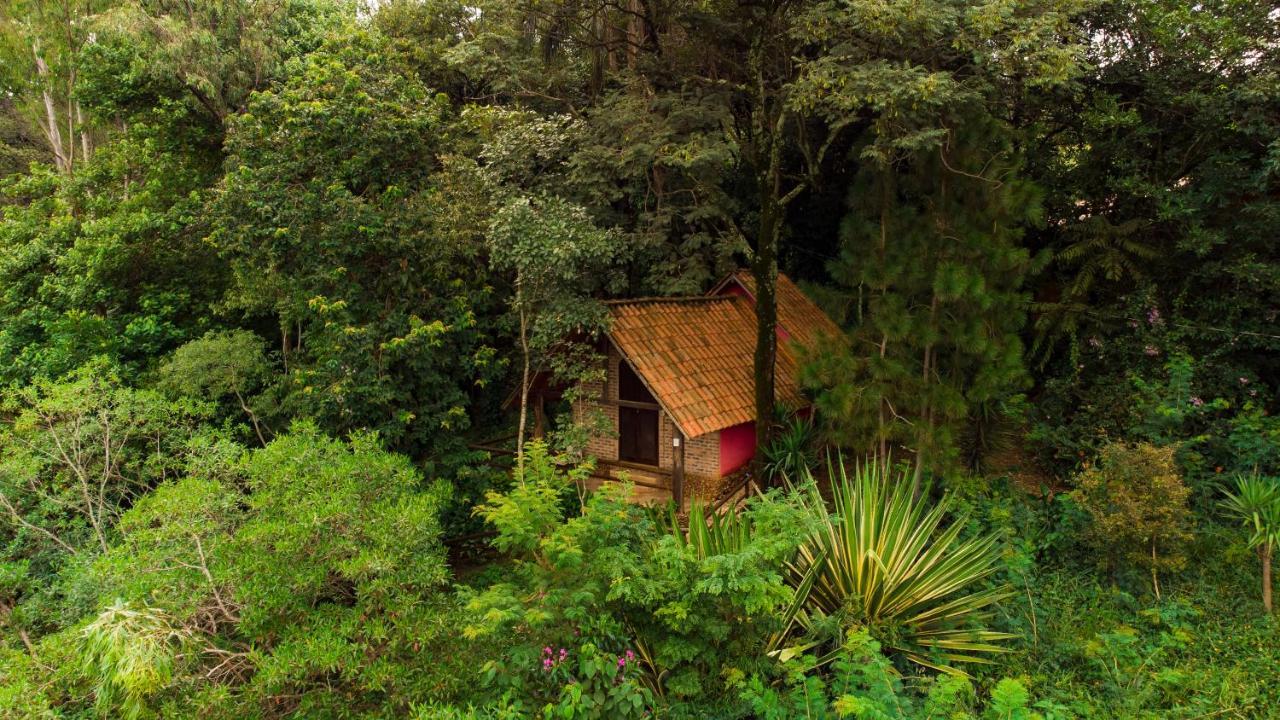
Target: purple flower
[[1153, 316], [1196, 401]]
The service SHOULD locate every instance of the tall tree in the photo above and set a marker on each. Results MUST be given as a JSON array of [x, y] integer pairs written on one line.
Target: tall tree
[[40, 43], [336, 218], [933, 268], [557, 257]]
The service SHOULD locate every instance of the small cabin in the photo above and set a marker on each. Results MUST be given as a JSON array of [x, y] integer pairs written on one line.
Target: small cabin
[[679, 389]]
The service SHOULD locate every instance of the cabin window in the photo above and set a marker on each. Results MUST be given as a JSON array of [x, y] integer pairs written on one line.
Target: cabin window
[[630, 387]]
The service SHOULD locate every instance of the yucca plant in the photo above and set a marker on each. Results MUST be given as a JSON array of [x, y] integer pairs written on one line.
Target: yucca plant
[[883, 559], [792, 450], [1256, 503]]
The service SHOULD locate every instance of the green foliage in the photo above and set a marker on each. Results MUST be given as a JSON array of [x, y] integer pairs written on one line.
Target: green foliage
[[1097, 651], [557, 256], [107, 262], [691, 605], [1161, 248], [792, 451], [77, 454], [346, 220], [131, 651], [1138, 505], [248, 581], [931, 268], [865, 685], [1256, 504], [218, 365], [535, 505], [331, 181]]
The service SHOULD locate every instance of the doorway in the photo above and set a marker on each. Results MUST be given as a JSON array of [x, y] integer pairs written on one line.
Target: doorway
[[638, 435], [637, 425]]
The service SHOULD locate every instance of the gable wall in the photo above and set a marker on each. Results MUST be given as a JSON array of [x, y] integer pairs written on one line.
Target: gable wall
[[701, 454]]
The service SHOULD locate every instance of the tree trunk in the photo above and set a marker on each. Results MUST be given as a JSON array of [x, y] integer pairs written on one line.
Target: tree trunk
[[49, 126], [1155, 578], [884, 335], [86, 142], [1265, 552], [764, 269], [253, 418], [524, 389]]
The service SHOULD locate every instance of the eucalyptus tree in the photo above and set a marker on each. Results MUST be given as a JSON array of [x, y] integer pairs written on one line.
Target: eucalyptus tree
[[40, 43]]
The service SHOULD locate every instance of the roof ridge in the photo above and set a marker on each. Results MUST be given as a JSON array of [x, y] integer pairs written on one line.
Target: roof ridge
[[670, 299]]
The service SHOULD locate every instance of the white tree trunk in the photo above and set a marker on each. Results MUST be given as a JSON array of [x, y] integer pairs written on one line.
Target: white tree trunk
[[49, 125]]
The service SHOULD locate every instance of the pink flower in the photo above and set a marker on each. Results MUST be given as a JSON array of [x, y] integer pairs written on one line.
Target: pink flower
[[1196, 401]]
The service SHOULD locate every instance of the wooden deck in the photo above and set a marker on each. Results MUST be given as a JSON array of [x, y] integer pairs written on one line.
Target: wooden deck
[[651, 485]]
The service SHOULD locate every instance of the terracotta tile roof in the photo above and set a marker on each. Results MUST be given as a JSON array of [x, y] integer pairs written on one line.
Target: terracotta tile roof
[[696, 354], [804, 321]]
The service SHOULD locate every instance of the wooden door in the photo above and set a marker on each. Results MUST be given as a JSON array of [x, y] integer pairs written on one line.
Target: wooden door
[[638, 435]]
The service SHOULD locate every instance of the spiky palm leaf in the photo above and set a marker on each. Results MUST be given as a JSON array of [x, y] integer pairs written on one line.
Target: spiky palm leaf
[[1256, 502], [885, 557]]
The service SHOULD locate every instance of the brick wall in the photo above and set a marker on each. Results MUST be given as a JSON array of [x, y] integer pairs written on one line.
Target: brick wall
[[603, 447], [701, 454]]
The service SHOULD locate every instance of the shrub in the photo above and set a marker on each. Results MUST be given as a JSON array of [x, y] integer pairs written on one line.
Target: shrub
[[1137, 503]]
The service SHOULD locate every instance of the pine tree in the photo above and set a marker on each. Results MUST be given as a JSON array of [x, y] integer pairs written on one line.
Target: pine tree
[[931, 258]]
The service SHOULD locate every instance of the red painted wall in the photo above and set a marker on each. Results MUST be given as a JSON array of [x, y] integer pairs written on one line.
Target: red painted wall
[[737, 446]]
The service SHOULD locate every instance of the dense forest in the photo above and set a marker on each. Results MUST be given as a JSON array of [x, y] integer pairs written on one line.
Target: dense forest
[[272, 270]]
